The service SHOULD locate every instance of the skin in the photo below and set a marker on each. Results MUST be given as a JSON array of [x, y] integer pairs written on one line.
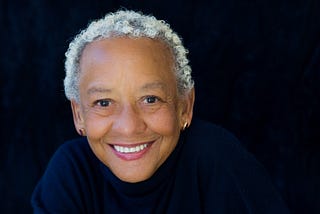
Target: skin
[[129, 97]]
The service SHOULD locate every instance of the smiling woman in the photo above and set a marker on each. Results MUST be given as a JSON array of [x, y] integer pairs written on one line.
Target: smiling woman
[[128, 99], [132, 96]]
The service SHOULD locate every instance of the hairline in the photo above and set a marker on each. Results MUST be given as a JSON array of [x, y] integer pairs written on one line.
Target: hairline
[[147, 26], [157, 39]]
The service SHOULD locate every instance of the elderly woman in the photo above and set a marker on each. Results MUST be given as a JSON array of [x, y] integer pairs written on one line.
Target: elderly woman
[[132, 96]]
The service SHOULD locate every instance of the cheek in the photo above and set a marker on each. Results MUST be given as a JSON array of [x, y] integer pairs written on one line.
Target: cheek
[[96, 126], [164, 122]]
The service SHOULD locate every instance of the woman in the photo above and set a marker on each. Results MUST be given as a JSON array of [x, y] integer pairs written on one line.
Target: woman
[[132, 96]]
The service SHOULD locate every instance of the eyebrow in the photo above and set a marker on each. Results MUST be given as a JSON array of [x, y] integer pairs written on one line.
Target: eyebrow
[[94, 90], [154, 85]]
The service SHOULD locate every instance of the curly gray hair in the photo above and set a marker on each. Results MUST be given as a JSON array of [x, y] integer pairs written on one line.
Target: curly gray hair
[[130, 24]]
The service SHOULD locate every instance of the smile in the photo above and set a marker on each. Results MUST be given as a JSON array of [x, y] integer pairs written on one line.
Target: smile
[[124, 149], [131, 152]]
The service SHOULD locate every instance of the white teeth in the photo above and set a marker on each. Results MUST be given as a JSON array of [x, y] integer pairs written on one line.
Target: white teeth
[[123, 149]]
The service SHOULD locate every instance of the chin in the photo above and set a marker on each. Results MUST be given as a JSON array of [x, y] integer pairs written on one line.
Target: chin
[[133, 174], [133, 178]]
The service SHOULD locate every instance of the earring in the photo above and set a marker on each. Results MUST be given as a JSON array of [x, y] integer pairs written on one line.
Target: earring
[[81, 131], [185, 125]]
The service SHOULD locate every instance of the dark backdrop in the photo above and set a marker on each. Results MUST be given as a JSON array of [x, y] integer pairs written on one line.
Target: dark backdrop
[[256, 65]]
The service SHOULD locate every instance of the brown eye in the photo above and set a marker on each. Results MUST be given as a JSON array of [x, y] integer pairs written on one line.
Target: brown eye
[[151, 99], [103, 103]]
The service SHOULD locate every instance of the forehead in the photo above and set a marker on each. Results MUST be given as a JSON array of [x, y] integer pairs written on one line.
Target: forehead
[[112, 58], [128, 47]]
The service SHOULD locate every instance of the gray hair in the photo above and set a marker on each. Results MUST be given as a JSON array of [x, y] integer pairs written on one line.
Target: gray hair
[[130, 24]]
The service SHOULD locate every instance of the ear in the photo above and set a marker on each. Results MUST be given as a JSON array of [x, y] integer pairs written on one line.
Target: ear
[[77, 117], [187, 110]]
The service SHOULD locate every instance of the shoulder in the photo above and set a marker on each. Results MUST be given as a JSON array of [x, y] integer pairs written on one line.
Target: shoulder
[[70, 179], [207, 130], [217, 151], [209, 139], [75, 149], [212, 145], [74, 159], [226, 170], [72, 154]]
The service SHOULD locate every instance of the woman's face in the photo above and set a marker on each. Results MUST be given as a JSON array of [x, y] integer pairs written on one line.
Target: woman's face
[[130, 109]]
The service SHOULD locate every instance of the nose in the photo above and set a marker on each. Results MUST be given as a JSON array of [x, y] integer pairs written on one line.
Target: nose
[[129, 122]]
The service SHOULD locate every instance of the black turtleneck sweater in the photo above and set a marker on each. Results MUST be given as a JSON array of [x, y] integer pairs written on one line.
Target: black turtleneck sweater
[[208, 172]]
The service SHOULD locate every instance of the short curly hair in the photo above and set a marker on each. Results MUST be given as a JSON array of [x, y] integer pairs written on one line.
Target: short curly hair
[[130, 24]]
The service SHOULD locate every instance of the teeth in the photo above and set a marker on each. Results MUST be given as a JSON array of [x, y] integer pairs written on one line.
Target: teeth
[[123, 149]]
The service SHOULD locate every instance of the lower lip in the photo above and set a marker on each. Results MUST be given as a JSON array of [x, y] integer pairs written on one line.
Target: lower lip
[[132, 156]]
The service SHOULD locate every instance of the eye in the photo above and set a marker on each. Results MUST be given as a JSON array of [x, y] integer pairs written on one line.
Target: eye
[[151, 99], [103, 103]]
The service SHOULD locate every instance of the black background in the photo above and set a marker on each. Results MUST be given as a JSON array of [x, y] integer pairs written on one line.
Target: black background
[[256, 66]]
